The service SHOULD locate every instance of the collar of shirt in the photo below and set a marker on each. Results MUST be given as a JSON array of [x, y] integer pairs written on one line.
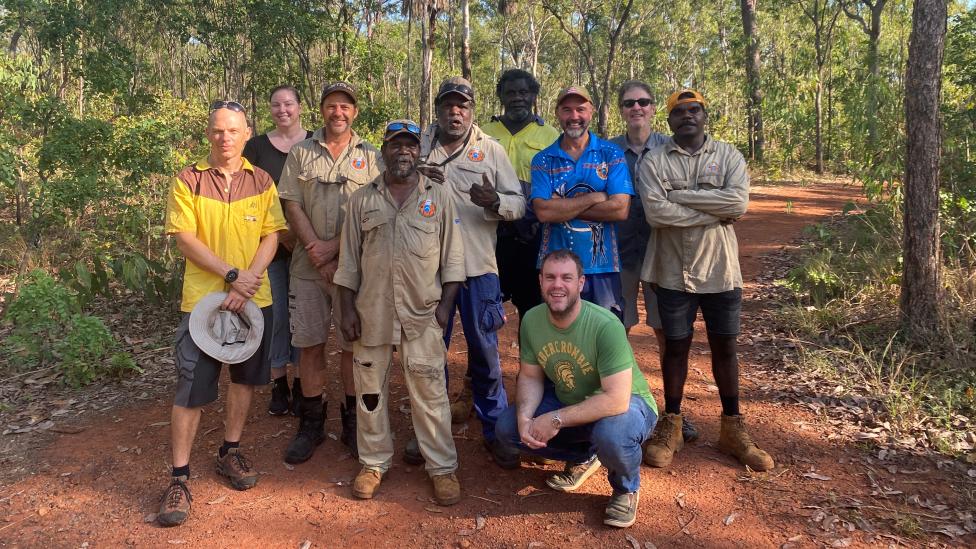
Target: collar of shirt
[[594, 144], [707, 147], [429, 142], [203, 165], [380, 185], [354, 141], [535, 118]]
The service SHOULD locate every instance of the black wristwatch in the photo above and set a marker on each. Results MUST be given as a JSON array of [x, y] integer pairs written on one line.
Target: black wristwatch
[[231, 276]]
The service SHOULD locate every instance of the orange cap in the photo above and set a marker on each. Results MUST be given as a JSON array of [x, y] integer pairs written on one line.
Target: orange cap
[[674, 101]]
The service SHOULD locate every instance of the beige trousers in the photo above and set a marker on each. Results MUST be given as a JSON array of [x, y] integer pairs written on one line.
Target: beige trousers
[[423, 359]]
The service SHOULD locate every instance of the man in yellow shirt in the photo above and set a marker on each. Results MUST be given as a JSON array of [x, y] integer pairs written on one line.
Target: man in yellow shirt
[[522, 134], [225, 216]]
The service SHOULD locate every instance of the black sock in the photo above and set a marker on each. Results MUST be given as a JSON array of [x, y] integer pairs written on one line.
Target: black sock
[[183, 471], [350, 402], [312, 400], [283, 380], [730, 406], [227, 446]]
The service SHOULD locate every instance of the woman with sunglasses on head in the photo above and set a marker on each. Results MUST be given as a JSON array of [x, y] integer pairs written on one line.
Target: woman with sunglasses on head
[[268, 151], [637, 109]]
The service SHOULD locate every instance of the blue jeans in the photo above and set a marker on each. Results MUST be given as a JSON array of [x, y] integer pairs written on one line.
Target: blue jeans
[[605, 290], [616, 440], [480, 304], [280, 350]]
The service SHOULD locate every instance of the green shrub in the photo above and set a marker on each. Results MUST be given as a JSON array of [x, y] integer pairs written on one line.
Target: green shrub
[[49, 329]]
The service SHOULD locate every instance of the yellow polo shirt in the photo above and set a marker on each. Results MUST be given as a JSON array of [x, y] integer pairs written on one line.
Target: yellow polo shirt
[[230, 220], [524, 145]]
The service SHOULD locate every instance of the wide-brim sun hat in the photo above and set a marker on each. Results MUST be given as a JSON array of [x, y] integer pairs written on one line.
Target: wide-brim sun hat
[[226, 336]]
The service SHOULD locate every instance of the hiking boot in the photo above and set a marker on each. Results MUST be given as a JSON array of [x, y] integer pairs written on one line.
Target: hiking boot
[[174, 506], [688, 431], [735, 441], [447, 489], [279, 405], [296, 397], [348, 436], [461, 408], [411, 454], [311, 433], [505, 457], [574, 475], [621, 512], [237, 469], [667, 439], [366, 483]]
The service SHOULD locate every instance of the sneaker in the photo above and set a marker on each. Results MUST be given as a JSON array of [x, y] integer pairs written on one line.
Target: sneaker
[[366, 483], [411, 454], [348, 436], [279, 405], [237, 468], [735, 441], [447, 489], [622, 510], [296, 397], [667, 440], [174, 507], [688, 431], [504, 456], [311, 433], [574, 475], [461, 408]]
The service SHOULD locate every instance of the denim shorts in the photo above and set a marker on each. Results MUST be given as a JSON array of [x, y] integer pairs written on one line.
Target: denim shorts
[[721, 312], [604, 290]]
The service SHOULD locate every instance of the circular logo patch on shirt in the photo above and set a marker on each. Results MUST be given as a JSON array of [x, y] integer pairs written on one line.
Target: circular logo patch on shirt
[[602, 170], [476, 154], [428, 208], [358, 163], [711, 168]]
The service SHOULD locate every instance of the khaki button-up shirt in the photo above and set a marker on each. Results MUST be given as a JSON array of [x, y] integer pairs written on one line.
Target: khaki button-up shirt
[[396, 258], [479, 156], [322, 185], [686, 196]]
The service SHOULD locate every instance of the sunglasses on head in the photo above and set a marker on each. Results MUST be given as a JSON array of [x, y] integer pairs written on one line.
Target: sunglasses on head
[[456, 88], [397, 126], [628, 103], [232, 105]]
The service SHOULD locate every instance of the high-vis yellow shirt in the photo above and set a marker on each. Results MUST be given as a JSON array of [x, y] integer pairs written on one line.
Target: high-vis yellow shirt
[[524, 145], [230, 220]]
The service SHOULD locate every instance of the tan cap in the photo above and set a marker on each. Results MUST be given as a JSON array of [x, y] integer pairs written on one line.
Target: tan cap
[[403, 125], [340, 86], [458, 85], [674, 101], [578, 91]]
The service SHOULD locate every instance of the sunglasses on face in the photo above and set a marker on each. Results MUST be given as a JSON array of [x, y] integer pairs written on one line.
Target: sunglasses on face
[[397, 126], [231, 105], [628, 103]]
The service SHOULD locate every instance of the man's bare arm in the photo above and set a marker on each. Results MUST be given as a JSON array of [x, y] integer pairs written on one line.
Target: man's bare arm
[[616, 208], [558, 210]]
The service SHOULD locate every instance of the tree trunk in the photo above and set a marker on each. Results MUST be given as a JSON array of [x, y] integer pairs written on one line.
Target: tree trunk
[[874, 35], [921, 289], [818, 108], [427, 35], [757, 138], [466, 41]]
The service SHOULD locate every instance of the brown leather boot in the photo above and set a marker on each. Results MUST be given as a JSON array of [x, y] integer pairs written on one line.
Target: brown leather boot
[[735, 441], [366, 483], [447, 489], [667, 439], [461, 408]]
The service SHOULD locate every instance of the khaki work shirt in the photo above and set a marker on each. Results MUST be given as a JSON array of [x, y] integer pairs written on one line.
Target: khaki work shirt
[[685, 198], [397, 258], [479, 226], [322, 185]]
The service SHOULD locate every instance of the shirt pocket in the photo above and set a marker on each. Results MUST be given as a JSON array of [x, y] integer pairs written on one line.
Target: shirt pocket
[[374, 240], [421, 238], [676, 184], [710, 182], [468, 176]]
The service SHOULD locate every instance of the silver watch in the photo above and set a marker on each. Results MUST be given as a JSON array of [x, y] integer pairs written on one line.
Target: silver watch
[[557, 422]]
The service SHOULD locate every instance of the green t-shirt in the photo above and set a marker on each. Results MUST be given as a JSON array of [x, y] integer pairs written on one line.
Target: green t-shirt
[[594, 346]]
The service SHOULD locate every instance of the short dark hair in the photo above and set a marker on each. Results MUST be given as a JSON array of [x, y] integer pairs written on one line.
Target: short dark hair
[[512, 75], [289, 87], [631, 84], [563, 254]]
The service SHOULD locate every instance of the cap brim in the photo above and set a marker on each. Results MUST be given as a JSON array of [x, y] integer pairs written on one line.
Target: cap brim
[[200, 317], [393, 134]]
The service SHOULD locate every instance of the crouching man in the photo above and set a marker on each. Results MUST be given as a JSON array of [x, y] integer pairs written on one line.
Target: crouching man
[[580, 396], [401, 263]]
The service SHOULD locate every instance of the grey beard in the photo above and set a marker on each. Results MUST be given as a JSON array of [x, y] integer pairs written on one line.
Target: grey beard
[[574, 133]]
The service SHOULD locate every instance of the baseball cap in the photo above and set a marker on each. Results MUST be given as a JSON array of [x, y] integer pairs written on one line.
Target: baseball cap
[[403, 125], [674, 101], [340, 86], [458, 85], [578, 91]]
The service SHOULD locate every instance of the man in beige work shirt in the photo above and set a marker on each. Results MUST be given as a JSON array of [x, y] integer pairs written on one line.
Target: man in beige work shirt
[[693, 188], [485, 190], [317, 180], [400, 266]]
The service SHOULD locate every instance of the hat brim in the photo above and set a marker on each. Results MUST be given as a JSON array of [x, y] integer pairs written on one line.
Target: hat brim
[[391, 135], [199, 329]]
